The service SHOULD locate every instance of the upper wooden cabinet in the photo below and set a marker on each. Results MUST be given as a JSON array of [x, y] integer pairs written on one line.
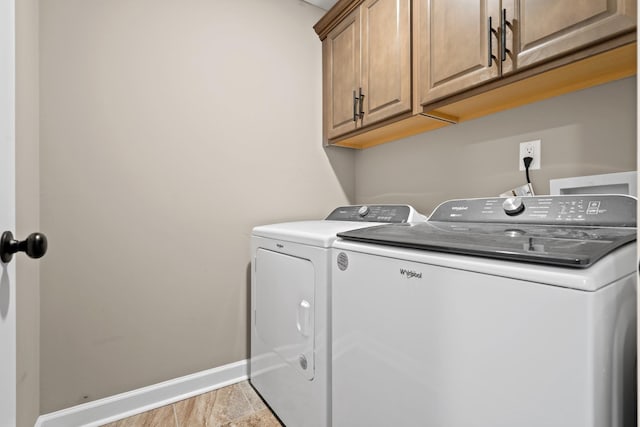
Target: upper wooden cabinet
[[386, 58], [394, 68], [457, 45], [463, 45], [367, 66], [341, 75]]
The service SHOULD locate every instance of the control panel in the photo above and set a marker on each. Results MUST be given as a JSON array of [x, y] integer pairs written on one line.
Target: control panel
[[376, 213], [583, 210]]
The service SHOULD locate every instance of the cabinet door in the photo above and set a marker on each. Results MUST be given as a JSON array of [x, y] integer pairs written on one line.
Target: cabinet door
[[386, 59], [456, 43], [547, 28], [341, 56]]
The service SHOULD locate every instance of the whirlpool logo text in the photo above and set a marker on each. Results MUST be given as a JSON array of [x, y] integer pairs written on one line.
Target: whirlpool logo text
[[410, 274]]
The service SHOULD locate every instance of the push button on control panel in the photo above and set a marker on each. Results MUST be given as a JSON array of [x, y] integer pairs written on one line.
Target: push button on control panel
[[593, 207]]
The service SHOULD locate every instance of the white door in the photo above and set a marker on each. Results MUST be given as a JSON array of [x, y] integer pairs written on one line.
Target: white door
[[284, 310], [7, 214]]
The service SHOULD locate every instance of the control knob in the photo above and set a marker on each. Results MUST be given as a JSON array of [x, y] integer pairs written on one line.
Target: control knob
[[513, 205], [363, 211]]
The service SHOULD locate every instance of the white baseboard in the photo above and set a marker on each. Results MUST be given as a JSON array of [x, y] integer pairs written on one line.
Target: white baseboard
[[113, 408]]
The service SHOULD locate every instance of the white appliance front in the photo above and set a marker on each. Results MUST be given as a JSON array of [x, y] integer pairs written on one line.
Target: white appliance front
[[284, 294], [439, 340], [290, 309], [289, 341]]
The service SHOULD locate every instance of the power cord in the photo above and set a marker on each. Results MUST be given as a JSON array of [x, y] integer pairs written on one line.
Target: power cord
[[527, 162]]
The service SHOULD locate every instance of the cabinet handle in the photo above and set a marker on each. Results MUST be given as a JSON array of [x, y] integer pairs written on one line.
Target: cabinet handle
[[361, 97], [490, 33], [503, 30], [355, 106]]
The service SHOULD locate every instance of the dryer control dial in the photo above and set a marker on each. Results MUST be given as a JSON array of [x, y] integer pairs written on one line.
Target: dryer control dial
[[513, 206], [363, 211]]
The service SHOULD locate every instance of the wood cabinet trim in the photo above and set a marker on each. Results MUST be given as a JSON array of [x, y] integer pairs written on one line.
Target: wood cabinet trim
[[401, 126], [334, 16]]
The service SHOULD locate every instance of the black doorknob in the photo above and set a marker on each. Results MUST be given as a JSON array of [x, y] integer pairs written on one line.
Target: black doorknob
[[35, 246]]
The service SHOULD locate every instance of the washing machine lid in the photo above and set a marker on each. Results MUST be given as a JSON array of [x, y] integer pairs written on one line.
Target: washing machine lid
[[571, 231]]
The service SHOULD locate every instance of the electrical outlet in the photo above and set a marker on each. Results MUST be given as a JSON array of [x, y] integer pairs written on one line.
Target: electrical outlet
[[530, 149]]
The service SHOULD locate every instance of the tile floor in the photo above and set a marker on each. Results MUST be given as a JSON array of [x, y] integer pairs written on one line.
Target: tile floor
[[237, 405]]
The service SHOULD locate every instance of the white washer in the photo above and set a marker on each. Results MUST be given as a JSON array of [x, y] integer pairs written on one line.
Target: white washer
[[290, 312], [483, 318]]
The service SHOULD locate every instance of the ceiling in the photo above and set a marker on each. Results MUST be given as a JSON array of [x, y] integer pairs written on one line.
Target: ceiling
[[322, 4]]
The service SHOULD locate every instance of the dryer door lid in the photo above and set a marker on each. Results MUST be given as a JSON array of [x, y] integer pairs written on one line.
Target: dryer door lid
[[285, 309]]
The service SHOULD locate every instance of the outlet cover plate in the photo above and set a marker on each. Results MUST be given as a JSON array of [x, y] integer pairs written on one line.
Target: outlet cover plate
[[530, 149]]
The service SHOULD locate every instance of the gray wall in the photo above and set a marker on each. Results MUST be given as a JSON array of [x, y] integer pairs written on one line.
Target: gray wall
[[168, 130], [589, 132], [27, 212]]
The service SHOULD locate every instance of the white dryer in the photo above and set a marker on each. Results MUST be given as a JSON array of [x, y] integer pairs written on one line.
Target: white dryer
[[290, 311], [494, 313]]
